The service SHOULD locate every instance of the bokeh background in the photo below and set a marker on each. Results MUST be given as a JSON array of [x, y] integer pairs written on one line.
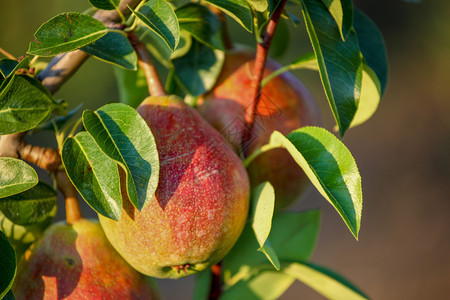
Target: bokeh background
[[403, 152]]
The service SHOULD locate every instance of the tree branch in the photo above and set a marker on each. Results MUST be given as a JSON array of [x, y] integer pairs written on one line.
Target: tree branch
[[59, 70], [63, 66], [262, 52]]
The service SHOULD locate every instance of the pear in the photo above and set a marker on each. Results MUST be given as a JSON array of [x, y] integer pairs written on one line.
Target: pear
[[201, 202], [285, 105], [77, 262]]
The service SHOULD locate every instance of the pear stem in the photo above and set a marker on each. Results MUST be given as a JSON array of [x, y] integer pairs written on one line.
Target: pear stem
[[216, 283], [73, 212], [155, 86], [50, 160], [262, 51]]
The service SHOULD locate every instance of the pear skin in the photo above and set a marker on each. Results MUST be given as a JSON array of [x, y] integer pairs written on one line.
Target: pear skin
[[285, 105], [201, 203], [77, 262]]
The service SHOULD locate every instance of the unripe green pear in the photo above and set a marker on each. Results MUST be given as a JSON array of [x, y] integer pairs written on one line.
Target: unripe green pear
[[201, 203], [77, 262], [285, 105]]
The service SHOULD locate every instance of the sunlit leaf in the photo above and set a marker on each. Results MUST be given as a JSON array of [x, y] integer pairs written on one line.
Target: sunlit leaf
[[66, 32], [159, 16], [125, 137], [324, 281], [31, 206], [342, 12], [94, 174], [239, 10], [372, 46], [330, 167], [114, 48], [340, 63], [25, 105], [201, 23], [199, 69], [16, 176]]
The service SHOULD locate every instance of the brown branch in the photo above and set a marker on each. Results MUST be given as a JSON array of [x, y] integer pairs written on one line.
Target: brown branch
[[7, 54], [216, 283], [59, 70], [262, 52], [50, 160], [63, 66], [155, 86]]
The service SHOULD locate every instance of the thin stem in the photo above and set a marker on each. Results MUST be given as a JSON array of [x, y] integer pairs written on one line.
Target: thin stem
[[50, 160], [73, 212], [155, 86], [216, 283], [7, 54], [262, 51]]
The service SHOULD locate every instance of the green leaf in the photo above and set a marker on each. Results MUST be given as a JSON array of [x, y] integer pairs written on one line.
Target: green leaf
[[7, 66], [201, 23], [125, 137], [324, 281], [9, 296], [8, 265], [259, 5], [114, 48], [202, 285], [267, 285], [66, 32], [342, 13], [105, 4], [21, 237], [159, 16], [239, 10], [263, 204], [95, 176], [199, 69], [273, 4], [372, 46], [270, 253], [293, 237], [370, 97], [5, 85], [31, 206], [330, 167], [340, 63], [26, 104], [158, 47], [16, 176], [59, 122], [132, 86]]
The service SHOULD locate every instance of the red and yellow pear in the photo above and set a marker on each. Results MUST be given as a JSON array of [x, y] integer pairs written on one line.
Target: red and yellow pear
[[77, 262], [201, 203], [285, 105]]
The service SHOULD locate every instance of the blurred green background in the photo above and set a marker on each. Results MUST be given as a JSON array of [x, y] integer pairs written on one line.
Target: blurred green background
[[403, 152]]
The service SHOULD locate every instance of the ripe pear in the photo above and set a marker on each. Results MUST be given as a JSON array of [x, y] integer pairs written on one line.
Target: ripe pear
[[201, 202], [285, 105], [21, 236], [77, 262]]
